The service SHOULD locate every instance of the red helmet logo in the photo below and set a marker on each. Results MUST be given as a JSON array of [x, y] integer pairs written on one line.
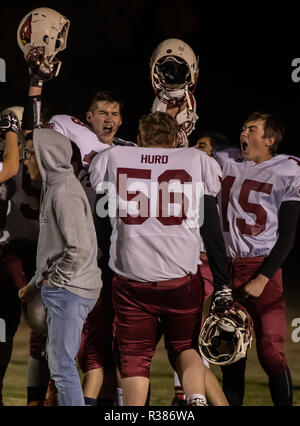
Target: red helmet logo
[[25, 31]]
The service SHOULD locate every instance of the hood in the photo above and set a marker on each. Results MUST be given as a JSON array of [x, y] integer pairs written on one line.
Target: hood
[[53, 153]]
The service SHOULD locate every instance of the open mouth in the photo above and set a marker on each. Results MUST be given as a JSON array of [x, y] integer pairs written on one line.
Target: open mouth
[[244, 145], [107, 130]]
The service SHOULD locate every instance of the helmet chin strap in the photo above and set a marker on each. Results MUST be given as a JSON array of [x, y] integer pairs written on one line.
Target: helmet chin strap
[[187, 97]]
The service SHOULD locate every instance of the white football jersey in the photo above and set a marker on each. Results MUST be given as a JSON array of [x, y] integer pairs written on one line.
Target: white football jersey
[[155, 221], [88, 144], [79, 133], [250, 200]]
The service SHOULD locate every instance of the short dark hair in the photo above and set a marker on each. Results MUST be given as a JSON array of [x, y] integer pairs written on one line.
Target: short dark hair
[[108, 96], [217, 139], [273, 127]]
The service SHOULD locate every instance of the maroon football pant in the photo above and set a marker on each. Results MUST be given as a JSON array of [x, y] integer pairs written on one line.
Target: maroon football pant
[[139, 307], [267, 311]]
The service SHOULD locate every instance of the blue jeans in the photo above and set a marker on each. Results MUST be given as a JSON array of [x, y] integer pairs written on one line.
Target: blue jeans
[[66, 314]]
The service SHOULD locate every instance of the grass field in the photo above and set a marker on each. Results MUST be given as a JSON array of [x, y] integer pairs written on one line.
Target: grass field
[[257, 391]]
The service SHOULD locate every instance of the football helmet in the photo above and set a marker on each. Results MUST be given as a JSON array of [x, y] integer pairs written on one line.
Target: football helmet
[[42, 33], [18, 110], [173, 66], [35, 315], [226, 335], [174, 73]]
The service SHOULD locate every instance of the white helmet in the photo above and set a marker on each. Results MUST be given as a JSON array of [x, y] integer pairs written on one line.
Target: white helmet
[[226, 335], [173, 66], [35, 314], [41, 34], [18, 110]]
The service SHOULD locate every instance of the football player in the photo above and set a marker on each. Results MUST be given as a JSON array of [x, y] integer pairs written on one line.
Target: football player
[[260, 207], [209, 142], [154, 277]]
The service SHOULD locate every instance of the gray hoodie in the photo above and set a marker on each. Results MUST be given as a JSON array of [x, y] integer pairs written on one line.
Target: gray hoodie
[[67, 244]]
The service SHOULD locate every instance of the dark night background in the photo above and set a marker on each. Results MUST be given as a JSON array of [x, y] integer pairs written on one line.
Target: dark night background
[[245, 60]]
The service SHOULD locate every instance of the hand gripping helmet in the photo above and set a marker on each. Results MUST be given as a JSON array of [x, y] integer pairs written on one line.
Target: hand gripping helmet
[[226, 335], [35, 315], [173, 66], [41, 34]]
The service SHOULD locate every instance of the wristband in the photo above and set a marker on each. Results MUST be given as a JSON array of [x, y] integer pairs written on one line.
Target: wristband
[[36, 82]]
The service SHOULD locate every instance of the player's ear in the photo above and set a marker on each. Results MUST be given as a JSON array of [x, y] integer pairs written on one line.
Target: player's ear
[[88, 116], [270, 141]]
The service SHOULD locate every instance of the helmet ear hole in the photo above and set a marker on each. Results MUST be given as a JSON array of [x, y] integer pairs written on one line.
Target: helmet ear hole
[[46, 39]]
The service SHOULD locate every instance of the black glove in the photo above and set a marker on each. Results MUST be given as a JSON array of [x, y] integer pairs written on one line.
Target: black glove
[[221, 298], [9, 123]]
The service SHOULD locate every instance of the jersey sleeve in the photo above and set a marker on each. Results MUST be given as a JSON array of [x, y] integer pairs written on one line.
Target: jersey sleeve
[[211, 175], [58, 123], [292, 192], [98, 167]]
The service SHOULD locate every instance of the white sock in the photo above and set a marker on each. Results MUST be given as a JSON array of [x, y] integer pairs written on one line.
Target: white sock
[[196, 399], [176, 380]]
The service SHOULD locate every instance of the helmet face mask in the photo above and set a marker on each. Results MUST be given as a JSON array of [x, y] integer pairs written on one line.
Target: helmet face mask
[[42, 33], [226, 335], [173, 73], [173, 66]]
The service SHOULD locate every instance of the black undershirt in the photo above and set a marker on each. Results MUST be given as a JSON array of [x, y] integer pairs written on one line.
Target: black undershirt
[[214, 243], [288, 216]]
